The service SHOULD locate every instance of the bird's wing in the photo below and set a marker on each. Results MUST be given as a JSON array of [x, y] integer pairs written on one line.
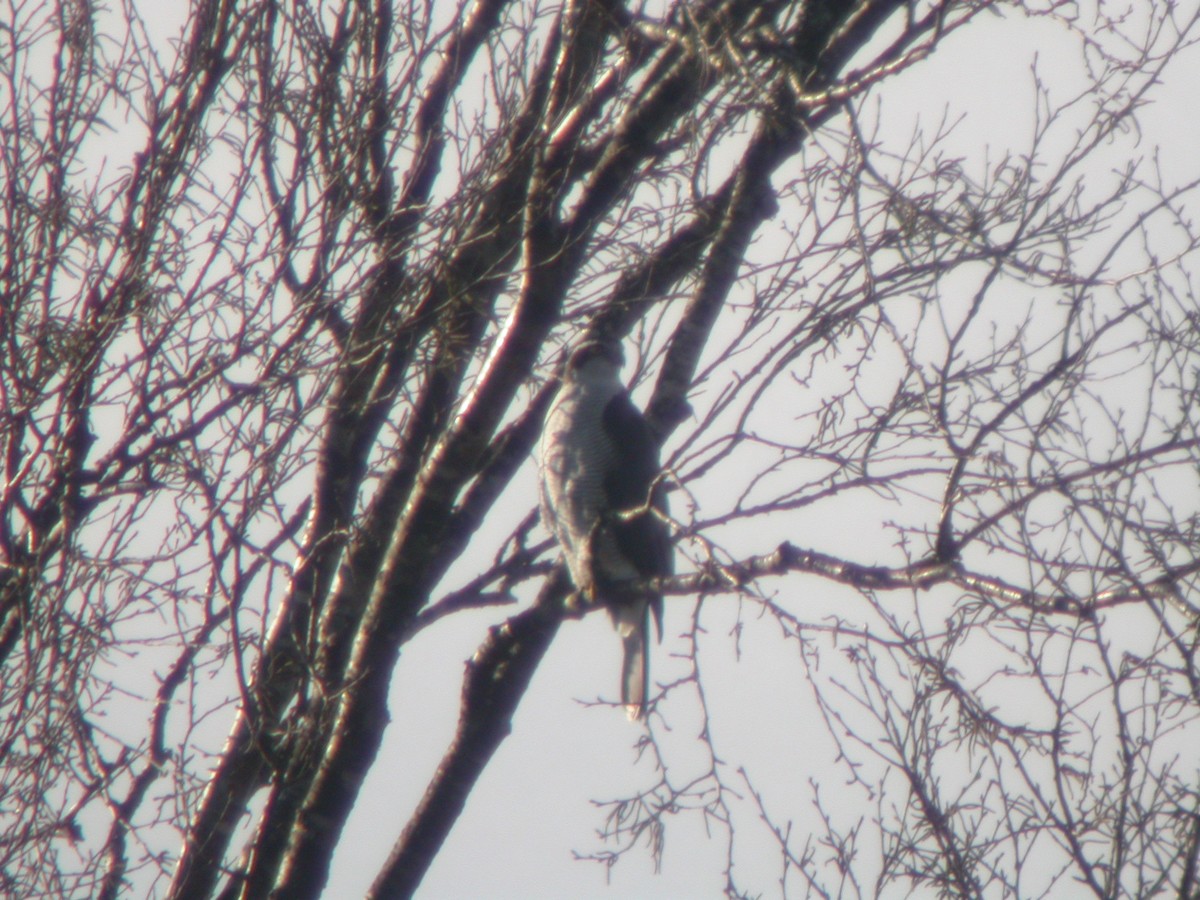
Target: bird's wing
[[644, 540]]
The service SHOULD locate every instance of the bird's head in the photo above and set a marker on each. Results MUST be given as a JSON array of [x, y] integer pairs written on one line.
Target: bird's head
[[595, 362]]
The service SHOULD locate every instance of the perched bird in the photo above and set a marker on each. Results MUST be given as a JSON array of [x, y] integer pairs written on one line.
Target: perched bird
[[599, 487]]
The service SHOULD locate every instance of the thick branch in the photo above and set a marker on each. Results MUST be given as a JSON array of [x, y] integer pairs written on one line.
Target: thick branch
[[496, 679], [921, 575]]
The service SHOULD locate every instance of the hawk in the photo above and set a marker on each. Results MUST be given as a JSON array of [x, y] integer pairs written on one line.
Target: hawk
[[599, 489]]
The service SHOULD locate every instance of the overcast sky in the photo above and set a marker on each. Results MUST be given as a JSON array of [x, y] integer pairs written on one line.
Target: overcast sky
[[532, 810]]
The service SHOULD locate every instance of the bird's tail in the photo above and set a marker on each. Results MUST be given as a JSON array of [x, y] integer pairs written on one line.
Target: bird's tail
[[633, 625]]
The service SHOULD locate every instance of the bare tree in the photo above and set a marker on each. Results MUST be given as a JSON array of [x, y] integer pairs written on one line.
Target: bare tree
[[283, 293]]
